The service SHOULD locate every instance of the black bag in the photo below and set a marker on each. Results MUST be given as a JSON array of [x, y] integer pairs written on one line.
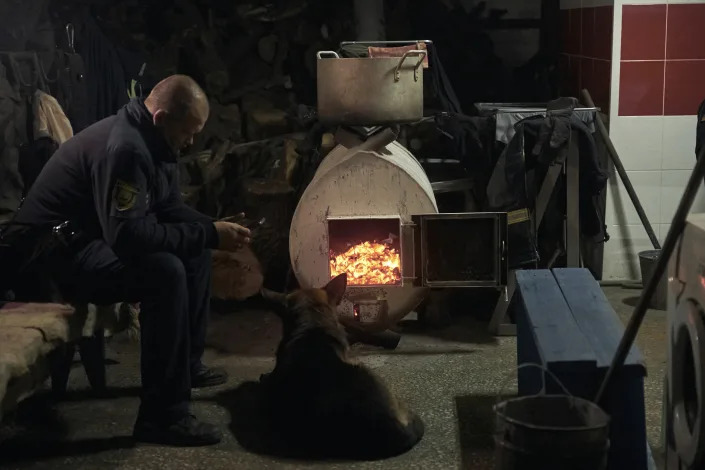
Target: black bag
[[70, 88]]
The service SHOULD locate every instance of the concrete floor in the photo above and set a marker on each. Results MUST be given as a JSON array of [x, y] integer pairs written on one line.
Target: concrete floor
[[450, 377]]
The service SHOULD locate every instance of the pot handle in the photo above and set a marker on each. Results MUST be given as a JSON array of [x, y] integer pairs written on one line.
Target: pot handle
[[320, 54], [417, 52]]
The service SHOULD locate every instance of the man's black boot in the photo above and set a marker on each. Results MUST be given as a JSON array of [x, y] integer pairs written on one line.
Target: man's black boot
[[184, 432], [206, 377]]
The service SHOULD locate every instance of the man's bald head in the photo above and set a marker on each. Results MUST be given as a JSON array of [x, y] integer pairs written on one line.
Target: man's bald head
[[179, 107]]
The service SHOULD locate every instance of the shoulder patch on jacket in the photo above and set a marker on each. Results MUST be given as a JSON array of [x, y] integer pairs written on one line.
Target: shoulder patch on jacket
[[124, 196]]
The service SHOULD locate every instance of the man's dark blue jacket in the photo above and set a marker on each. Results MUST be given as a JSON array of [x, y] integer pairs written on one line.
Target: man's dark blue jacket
[[117, 180]]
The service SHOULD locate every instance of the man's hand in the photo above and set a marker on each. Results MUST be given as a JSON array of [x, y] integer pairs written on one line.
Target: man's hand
[[231, 236]]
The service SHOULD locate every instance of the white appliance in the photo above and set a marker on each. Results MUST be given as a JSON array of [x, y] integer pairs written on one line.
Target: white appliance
[[684, 397]]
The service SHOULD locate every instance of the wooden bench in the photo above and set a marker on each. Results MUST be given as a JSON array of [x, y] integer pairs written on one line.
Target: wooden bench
[[565, 322], [39, 340]]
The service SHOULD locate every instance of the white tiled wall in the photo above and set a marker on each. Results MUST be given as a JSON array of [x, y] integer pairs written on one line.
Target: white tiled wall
[[658, 153], [639, 141], [659, 192]]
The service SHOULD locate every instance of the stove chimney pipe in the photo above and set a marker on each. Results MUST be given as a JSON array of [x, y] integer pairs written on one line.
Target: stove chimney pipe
[[369, 20]]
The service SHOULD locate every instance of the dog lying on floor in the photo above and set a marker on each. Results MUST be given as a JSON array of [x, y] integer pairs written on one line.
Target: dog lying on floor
[[317, 399]]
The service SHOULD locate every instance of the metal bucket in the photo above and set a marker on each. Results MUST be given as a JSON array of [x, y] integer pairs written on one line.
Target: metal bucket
[[647, 263], [550, 432], [369, 91]]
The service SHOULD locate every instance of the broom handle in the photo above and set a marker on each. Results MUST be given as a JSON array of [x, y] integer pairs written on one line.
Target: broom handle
[[622, 173], [543, 380]]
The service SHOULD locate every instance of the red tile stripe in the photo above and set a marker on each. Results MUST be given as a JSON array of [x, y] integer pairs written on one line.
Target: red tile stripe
[[662, 68]]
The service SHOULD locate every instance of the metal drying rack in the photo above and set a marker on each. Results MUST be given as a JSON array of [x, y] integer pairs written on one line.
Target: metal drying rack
[[499, 324], [362, 45]]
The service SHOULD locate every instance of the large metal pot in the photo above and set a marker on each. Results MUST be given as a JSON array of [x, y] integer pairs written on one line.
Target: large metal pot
[[369, 91]]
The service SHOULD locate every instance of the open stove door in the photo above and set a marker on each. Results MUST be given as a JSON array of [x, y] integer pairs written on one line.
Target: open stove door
[[457, 250]]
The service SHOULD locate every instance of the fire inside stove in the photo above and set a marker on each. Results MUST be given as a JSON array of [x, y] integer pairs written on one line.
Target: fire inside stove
[[367, 250]]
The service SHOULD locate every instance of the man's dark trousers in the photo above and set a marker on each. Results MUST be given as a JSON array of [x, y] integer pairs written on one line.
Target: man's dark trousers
[[174, 295]]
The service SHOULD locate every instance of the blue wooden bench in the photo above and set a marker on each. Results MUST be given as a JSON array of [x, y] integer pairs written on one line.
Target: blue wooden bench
[[565, 322]]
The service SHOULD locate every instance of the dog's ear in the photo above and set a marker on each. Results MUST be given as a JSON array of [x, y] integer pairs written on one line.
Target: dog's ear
[[336, 288], [274, 300]]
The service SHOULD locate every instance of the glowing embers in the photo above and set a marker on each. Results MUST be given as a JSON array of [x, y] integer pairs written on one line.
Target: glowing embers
[[368, 263], [367, 250]]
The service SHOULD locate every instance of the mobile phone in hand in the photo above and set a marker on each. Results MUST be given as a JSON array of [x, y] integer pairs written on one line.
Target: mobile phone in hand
[[253, 227]]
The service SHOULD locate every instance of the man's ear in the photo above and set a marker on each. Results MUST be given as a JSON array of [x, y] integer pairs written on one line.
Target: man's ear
[[336, 288], [159, 117]]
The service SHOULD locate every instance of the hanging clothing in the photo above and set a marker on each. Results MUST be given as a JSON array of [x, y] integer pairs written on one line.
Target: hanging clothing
[[10, 180], [539, 142], [109, 70], [51, 128], [592, 178], [21, 75], [507, 192], [71, 89], [49, 119]]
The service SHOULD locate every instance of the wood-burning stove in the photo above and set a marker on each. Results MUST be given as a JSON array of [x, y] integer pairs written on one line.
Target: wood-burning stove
[[370, 212]]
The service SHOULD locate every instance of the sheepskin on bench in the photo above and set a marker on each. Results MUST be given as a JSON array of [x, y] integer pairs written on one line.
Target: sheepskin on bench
[[33, 334]]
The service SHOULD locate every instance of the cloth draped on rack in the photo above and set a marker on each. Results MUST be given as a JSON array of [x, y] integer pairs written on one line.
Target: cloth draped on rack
[[50, 120], [50, 129], [593, 178], [538, 142], [507, 192]]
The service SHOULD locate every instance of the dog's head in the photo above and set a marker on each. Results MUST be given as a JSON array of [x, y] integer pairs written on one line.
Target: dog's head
[[316, 307]]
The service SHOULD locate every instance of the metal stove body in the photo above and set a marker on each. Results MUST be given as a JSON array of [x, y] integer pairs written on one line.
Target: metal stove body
[[372, 190]]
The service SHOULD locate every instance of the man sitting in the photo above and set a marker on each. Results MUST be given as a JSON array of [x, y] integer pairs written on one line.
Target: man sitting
[[131, 238]]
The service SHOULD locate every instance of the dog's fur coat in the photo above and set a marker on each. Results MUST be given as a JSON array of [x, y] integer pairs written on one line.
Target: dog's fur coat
[[321, 402]]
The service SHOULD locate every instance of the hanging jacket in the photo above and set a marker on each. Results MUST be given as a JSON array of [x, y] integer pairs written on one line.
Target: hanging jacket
[[10, 180], [18, 83], [548, 136], [109, 70], [507, 192], [537, 143]]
